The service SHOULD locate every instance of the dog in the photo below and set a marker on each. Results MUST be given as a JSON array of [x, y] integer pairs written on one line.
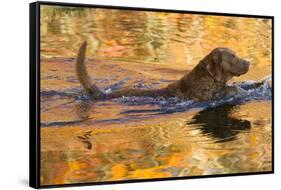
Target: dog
[[207, 81]]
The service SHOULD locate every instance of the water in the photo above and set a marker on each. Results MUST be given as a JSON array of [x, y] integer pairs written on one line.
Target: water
[[142, 137]]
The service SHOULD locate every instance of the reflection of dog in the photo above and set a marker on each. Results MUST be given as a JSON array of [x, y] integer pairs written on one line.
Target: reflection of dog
[[206, 81], [219, 124]]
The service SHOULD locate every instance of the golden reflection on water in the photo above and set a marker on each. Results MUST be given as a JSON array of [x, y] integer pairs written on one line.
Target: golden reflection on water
[[100, 142], [167, 38]]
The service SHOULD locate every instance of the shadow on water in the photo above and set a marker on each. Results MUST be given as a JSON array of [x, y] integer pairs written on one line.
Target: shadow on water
[[215, 122], [219, 124]]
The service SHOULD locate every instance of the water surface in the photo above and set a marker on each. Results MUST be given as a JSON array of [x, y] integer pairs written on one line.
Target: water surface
[[138, 138]]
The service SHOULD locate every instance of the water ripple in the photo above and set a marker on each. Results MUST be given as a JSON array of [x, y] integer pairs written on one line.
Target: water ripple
[[255, 90]]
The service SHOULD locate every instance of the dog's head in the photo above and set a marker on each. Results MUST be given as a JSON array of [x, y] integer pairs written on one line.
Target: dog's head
[[223, 64]]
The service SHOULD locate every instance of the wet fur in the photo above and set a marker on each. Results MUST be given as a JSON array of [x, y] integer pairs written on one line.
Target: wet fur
[[206, 81]]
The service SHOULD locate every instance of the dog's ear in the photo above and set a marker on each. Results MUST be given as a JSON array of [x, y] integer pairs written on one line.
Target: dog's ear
[[215, 66]]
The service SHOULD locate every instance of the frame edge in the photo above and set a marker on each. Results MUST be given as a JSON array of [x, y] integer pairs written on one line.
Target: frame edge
[[34, 161], [106, 6]]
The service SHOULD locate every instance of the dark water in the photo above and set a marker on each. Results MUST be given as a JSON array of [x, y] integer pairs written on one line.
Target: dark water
[[143, 137]]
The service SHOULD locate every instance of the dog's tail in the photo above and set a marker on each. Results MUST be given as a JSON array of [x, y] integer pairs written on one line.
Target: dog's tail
[[83, 75]]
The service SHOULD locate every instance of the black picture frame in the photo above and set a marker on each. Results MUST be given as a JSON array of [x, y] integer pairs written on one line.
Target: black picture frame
[[34, 97]]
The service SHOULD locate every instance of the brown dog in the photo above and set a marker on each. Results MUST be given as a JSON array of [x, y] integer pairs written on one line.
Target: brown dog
[[207, 81]]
